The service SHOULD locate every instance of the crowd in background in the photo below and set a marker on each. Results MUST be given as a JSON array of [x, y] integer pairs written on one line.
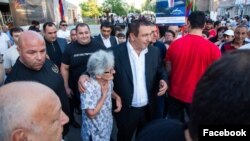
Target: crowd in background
[[148, 78]]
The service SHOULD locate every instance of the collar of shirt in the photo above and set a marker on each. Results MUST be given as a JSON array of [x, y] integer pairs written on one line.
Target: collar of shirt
[[132, 50], [14, 46], [105, 38]]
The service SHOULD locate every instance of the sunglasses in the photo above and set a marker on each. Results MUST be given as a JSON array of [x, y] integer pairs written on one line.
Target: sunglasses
[[64, 25]]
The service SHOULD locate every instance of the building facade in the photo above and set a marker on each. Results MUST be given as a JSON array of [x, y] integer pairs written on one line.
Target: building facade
[[22, 12]]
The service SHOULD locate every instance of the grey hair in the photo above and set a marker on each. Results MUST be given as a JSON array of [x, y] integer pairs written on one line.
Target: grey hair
[[16, 110], [99, 62], [14, 115]]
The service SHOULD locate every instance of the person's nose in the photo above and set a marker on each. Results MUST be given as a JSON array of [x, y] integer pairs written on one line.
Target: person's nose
[[39, 56], [64, 118], [113, 71]]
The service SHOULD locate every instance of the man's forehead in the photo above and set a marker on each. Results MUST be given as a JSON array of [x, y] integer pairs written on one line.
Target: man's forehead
[[242, 29], [34, 44], [144, 29], [16, 33], [83, 29], [50, 28]]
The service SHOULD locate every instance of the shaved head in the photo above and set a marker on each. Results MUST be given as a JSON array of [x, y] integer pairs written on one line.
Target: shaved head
[[32, 49], [24, 107], [27, 37]]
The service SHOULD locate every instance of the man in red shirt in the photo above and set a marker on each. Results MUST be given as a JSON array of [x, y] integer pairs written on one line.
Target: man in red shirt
[[187, 59]]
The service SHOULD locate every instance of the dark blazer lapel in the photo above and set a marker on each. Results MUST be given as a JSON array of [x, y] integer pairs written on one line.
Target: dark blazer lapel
[[99, 38], [124, 59], [148, 66]]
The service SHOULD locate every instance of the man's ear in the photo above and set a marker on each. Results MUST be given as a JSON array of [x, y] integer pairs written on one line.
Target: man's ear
[[19, 135], [132, 36]]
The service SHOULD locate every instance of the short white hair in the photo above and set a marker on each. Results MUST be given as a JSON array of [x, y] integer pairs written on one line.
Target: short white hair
[[17, 106], [99, 62]]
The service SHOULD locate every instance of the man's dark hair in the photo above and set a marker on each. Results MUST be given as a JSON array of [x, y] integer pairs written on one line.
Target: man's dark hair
[[34, 22], [197, 19], [82, 25], [62, 21], [134, 26], [48, 24], [223, 28], [222, 95], [106, 24], [170, 31], [72, 29], [206, 33], [116, 29], [209, 21], [15, 30], [217, 23], [120, 35]]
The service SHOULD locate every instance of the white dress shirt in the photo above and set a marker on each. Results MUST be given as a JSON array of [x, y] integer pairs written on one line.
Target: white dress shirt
[[137, 62], [4, 40], [106, 42]]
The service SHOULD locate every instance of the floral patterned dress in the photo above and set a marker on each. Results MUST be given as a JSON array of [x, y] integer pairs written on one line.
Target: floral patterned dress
[[100, 127]]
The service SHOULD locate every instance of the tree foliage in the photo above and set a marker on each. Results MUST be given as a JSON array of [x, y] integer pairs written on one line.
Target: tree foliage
[[117, 6], [149, 6], [90, 9]]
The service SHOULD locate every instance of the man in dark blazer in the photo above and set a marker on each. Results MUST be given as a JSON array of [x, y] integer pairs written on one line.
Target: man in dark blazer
[[55, 46], [140, 77], [105, 37]]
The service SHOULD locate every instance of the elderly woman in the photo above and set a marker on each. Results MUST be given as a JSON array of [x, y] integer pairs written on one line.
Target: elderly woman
[[96, 104]]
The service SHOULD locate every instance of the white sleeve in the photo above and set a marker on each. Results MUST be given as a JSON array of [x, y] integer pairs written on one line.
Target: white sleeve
[[7, 60]]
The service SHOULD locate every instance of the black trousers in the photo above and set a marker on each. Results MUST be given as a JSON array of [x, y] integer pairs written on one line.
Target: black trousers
[[136, 119], [177, 109]]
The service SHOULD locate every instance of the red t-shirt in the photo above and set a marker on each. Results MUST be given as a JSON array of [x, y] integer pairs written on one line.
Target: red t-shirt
[[212, 33], [190, 56]]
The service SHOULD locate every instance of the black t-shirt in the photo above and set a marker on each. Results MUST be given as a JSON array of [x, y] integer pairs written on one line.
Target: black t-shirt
[[76, 56], [49, 75]]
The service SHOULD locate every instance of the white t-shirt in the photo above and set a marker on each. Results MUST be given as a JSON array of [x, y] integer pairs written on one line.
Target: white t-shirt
[[246, 46], [4, 40], [63, 34], [10, 57]]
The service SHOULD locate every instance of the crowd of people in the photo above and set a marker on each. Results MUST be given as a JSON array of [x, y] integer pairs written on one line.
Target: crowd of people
[[152, 83]]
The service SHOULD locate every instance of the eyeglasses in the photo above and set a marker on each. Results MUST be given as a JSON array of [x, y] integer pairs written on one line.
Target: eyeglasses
[[64, 25], [110, 71]]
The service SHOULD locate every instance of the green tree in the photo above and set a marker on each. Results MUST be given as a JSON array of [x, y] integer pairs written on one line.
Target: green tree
[[117, 6], [90, 9], [148, 6]]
